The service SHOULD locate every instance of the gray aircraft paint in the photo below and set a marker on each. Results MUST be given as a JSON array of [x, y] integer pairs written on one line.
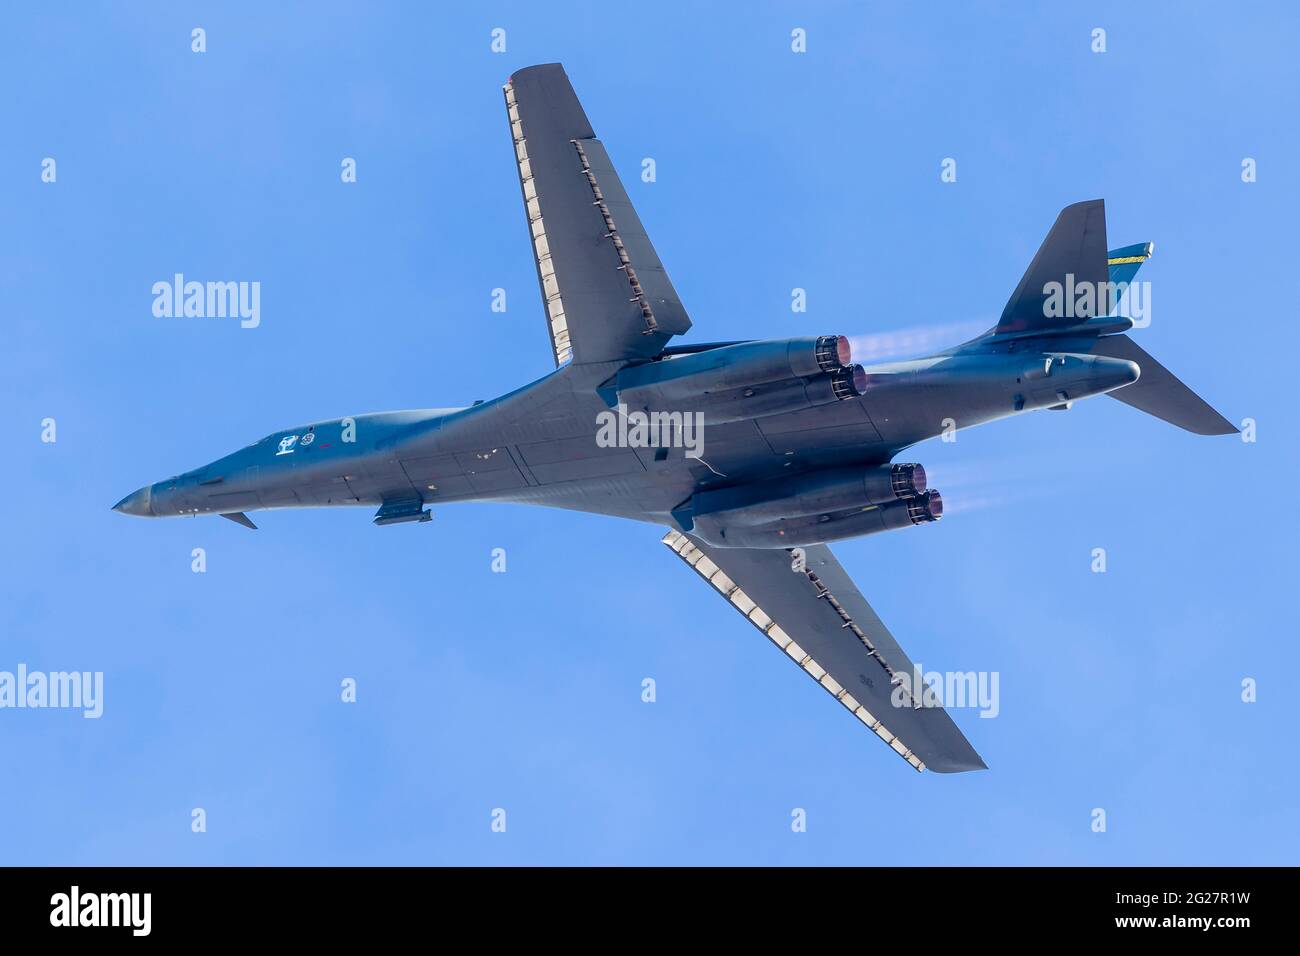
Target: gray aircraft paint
[[607, 292]]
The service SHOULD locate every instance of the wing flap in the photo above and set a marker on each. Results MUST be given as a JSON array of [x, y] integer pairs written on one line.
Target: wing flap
[[667, 313]]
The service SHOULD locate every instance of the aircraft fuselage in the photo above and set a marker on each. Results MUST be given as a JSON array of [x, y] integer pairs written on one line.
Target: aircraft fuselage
[[538, 444]]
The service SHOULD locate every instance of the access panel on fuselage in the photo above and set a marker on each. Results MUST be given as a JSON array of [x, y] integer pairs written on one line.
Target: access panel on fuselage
[[437, 476], [490, 469], [831, 426], [572, 459]]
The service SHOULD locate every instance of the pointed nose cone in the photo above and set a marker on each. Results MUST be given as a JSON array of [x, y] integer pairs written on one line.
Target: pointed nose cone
[[136, 503]]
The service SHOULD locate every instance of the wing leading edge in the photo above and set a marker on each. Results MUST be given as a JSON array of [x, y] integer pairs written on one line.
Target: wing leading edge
[[820, 620], [607, 295]]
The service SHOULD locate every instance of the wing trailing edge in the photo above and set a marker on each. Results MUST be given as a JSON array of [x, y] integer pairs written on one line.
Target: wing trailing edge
[[606, 293], [818, 619]]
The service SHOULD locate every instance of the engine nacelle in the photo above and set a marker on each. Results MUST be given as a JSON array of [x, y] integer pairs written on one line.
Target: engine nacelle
[[748, 380], [818, 529], [814, 493]]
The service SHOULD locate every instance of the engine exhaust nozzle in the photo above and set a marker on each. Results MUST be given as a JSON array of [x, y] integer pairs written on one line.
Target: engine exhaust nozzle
[[850, 382], [925, 507], [833, 353], [908, 481]]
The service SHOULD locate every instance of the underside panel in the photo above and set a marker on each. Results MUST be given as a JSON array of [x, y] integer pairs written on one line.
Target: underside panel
[[835, 426], [622, 463], [490, 469], [437, 476]]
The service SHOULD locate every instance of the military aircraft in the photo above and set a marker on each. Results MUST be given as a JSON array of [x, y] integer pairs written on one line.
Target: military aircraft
[[754, 454]]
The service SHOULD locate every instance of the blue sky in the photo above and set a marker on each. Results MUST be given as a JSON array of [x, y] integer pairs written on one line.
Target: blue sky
[[522, 690]]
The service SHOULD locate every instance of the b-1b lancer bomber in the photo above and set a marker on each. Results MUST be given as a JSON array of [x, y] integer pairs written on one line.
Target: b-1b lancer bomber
[[754, 454]]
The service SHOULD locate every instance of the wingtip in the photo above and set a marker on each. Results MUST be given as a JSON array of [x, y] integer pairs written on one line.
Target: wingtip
[[1221, 427], [958, 763], [525, 71], [1225, 427], [959, 767]]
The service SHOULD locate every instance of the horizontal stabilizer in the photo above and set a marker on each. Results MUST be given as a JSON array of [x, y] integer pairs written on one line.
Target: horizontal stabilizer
[[1158, 391]]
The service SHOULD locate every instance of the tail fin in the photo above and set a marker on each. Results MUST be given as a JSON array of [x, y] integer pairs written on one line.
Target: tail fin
[[1073, 256], [1125, 263], [1158, 391]]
